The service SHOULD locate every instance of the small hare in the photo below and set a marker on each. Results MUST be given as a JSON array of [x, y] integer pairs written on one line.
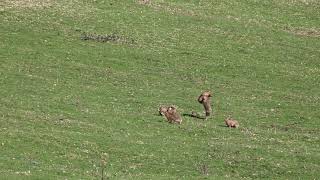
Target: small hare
[[231, 123]]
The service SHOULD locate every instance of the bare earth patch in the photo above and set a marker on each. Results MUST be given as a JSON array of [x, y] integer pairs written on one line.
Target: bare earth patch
[[310, 32], [166, 7], [27, 3], [68, 8], [297, 2]]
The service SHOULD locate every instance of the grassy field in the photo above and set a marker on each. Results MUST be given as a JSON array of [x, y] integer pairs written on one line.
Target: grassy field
[[81, 82]]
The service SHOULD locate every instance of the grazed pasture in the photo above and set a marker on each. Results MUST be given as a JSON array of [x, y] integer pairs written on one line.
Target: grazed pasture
[[81, 82]]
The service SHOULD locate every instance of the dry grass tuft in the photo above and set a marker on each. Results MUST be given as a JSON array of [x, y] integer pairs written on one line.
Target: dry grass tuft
[[307, 2], [144, 1], [71, 8], [167, 7]]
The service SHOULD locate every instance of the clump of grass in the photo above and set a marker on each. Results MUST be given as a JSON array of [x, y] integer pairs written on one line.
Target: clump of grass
[[203, 169]]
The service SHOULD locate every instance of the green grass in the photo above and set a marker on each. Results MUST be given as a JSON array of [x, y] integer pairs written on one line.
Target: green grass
[[70, 108]]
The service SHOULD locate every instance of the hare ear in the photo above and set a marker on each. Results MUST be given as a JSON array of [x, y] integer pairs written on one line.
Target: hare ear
[[173, 108]]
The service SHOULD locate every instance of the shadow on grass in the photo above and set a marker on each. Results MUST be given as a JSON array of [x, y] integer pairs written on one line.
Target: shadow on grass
[[223, 126], [193, 116]]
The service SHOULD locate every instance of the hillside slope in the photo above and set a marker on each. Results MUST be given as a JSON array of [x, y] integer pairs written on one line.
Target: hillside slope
[[81, 82]]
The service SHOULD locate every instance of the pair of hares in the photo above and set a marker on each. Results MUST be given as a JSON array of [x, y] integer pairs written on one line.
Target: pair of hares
[[173, 116]]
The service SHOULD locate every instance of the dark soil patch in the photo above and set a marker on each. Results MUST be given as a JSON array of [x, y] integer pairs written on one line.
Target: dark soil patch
[[114, 38]]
